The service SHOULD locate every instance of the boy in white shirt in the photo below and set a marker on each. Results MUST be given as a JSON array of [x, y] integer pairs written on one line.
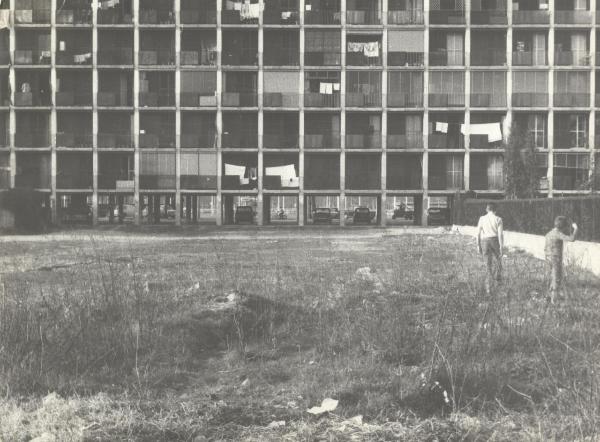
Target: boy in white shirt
[[490, 243]]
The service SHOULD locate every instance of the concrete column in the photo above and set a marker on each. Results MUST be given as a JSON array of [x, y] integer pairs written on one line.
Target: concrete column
[[136, 111], [593, 87], [425, 158], [467, 117], [219, 117], [53, 198], [94, 112], [551, 101], [301, 217], [343, 114], [260, 200], [12, 124], [177, 9]]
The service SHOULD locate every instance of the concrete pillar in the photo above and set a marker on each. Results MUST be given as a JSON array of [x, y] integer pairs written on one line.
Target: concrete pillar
[[260, 200], [301, 215], [94, 112], [593, 87], [53, 198], [177, 10], [136, 111], [467, 116], [12, 124], [551, 100], [343, 114], [425, 158], [219, 118]]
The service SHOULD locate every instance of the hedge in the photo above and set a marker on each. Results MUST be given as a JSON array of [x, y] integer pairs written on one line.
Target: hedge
[[536, 216], [26, 205]]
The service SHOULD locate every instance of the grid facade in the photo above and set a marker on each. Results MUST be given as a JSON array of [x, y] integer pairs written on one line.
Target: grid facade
[[164, 106]]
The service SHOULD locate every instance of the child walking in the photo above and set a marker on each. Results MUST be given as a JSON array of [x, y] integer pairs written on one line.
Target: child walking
[[554, 252]]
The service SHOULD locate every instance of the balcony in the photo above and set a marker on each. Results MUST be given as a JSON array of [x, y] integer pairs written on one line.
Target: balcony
[[450, 99], [193, 99], [572, 58], [528, 58], [280, 99], [199, 58], [446, 141], [490, 17], [198, 17], [322, 59], [73, 139], [160, 57], [115, 16], [239, 99], [406, 59], [281, 17], [529, 99], [488, 100], [236, 17], [322, 17], [446, 58], [241, 58], [322, 141], [447, 17], [32, 16], [204, 140], [315, 99], [408, 140], [491, 57], [405, 99], [240, 139], [156, 99], [114, 140], [358, 99], [531, 17], [78, 16], [149, 140], [363, 17], [406, 17], [32, 57], [37, 96], [281, 141], [32, 139], [281, 57], [74, 58], [572, 17], [571, 99], [156, 17], [116, 57], [363, 141]]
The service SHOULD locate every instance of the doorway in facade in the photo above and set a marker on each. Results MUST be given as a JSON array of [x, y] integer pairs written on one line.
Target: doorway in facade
[[157, 208], [116, 208], [403, 210], [322, 209], [240, 209], [198, 209], [362, 209], [281, 209]]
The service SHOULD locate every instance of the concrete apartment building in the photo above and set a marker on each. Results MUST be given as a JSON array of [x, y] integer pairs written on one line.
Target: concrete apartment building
[[179, 111]]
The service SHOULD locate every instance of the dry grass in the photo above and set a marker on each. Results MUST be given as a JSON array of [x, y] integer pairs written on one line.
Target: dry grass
[[127, 336]]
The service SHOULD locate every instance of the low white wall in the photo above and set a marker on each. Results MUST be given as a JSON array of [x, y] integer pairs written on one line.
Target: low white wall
[[583, 254]]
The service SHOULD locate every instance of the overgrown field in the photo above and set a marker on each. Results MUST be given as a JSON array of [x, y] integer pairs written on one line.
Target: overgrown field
[[206, 339]]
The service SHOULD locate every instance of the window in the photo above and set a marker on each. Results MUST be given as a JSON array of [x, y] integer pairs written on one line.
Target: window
[[536, 127], [578, 131]]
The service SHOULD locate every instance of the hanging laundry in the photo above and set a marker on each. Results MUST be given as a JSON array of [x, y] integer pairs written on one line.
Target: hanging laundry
[[4, 18], [371, 49], [253, 173], [336, 86], [286, 15], [329, 88], [82, 58], [254, 10], [492, 130], [355, 47], [441, 127], [231, 169]]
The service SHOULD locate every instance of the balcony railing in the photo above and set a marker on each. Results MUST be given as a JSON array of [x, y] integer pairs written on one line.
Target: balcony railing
[[363, 17], [32, 56], [114, 16], [572, 99], [198, 182], [204, 140], [233, 17], [322, 141], [32, 16], [32, 98], [280, 99], [437, 182], [4, 58], [491, 17], [114, 57], [445, 141], [405, 99], [529, 99], [281, 141], [447, 17], [490, 57], [31, 179], [32, 138], [156, 17], [322, 58], [447, 58], [488, 99], [149, 140], [359, 59], [322, 17], [68, 98], [239, 99], [485, 182], [198, 17], [282, 57], [363, 141], [407, 17], [111, 99], [528, 58], [315, 99], [279, 17], [241, 58], [74, 16], [531, 17], [109, 181], [572, 58], [481, 142], [409, 140], [114, 140], [408, 181], [73, 180], [198, 58], [160, 57], [357, 99], [194, 99], [449, 99], [240, 139], [80, 57], [155, 99], [406, 59], [597, 99], [73, 139], [154, 181], [572, 17], [568, 142]]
